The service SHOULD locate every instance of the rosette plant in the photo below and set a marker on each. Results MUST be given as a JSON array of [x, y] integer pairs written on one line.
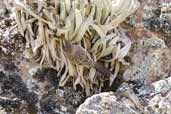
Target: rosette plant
[[91, 24]]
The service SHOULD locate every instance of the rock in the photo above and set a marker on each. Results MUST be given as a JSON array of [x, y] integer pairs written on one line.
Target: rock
[[158, 87], [38, 94], [53, 100], [159, 104], [151, 61], [157, 97], [105, 103], [11, 42], [3, 9], [2, 112], [15, 94], [126, 94], [162, 86]]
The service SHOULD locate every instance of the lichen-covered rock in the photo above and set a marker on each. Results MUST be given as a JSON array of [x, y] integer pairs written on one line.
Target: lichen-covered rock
[[151, 61], [128, 97], [159, 104], [162, 86], [105, 103], [159, 87], [11, 42], [157, 97]]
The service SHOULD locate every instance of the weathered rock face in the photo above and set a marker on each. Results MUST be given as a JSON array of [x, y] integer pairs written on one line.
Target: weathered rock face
[[154, 99], [151, 61], [22, 93], [105, 103], [160, 104], [159, 98]]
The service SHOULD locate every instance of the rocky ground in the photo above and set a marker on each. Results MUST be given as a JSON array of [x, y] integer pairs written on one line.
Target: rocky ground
[[143, 88]]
